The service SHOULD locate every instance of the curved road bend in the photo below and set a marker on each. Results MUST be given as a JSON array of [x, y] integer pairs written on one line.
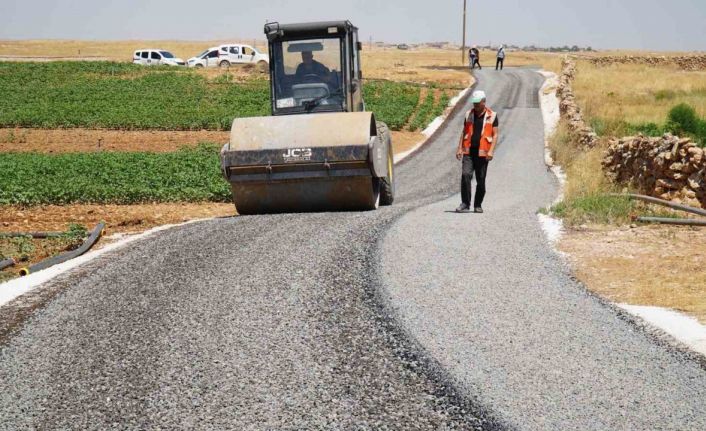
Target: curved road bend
[[350, 320], [489, 301]]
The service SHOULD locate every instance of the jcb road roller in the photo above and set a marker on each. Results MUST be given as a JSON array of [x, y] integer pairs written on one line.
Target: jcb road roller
[[319, 150]]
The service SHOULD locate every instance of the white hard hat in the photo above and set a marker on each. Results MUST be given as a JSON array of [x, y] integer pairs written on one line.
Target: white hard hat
[[478, 96]]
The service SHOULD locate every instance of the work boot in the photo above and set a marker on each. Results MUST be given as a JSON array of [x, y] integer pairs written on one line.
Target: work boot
[[478, 210], [463, 208]]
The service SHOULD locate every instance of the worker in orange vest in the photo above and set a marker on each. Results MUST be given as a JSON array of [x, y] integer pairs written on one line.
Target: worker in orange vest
[[476, 148]]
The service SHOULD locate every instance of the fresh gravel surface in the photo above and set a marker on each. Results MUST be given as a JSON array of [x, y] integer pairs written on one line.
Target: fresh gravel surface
[[368, 320], [262, 323], [485, 296]]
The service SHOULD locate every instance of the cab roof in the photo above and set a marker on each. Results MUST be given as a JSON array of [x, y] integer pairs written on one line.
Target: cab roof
[[275, 30]]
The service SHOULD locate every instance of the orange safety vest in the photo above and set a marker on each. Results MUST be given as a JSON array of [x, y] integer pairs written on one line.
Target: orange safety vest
[[486, 137]]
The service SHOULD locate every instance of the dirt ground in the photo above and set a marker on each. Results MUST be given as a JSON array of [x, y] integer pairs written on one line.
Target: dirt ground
[[661, 266], [87, 140], [54, 141], [119, 219]]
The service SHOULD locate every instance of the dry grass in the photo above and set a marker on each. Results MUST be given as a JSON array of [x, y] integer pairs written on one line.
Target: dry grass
[[546, 60], [439, 66], [442, 66], [580, 166], [636, 94], [648, 265], [113, 50]]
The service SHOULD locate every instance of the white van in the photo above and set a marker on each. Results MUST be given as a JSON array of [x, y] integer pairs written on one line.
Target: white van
[[156, 57], [226, 55]]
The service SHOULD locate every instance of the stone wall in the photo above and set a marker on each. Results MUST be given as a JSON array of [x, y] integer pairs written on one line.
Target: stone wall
[[668, 167], [684, 62], [570, 110]]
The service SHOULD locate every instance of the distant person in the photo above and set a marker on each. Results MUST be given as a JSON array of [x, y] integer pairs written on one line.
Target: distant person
[[475, 57], [500, 58], [475, 148], [310, 67]]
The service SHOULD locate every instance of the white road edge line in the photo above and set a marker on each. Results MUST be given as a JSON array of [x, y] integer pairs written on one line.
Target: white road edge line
[[685, 329], [16, 287], [549, 103]]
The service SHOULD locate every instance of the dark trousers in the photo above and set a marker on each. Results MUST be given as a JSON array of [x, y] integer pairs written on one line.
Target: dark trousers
[[474, 62], [500, 62], [472, 164]]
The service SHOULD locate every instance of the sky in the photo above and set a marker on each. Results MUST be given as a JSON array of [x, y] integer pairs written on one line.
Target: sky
[[654, 25]]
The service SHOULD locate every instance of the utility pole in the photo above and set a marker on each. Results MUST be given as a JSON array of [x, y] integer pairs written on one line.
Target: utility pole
[[463, 45]]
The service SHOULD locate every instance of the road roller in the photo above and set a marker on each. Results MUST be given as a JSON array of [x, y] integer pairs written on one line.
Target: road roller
[[320, 150]]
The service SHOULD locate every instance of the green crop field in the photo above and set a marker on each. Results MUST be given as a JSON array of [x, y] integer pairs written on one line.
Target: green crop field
[[392, 102], [123, 96], [129, 97], [191, 175]]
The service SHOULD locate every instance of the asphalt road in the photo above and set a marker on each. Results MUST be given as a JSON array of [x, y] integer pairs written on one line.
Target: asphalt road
[[374, 320]]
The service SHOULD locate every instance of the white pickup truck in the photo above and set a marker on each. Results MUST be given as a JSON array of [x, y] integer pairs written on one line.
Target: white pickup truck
[[226, 55]]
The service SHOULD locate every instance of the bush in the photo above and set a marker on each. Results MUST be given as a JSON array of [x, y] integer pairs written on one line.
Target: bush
[[702, 134], [683, 119], [647, 129]]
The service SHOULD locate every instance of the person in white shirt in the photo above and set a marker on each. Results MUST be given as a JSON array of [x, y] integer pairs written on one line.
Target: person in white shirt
[[501, 58]]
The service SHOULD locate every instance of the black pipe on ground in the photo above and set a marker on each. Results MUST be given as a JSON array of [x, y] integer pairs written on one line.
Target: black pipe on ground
[[676, 221], [6, 263], [92, 239], [650, 199]]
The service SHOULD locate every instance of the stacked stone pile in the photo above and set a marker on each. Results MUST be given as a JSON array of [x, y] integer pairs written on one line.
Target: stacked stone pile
[[668, 167], [685, 62], [570, 110]]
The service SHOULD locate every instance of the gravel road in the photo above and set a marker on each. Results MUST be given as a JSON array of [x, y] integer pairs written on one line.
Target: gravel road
[[486, 297], [350, 320]]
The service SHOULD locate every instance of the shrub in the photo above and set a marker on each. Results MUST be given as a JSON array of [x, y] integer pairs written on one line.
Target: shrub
[[702, 133], [683, 119], [647, 129]]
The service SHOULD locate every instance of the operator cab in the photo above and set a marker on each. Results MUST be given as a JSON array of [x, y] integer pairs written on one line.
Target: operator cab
[[314, 67]]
